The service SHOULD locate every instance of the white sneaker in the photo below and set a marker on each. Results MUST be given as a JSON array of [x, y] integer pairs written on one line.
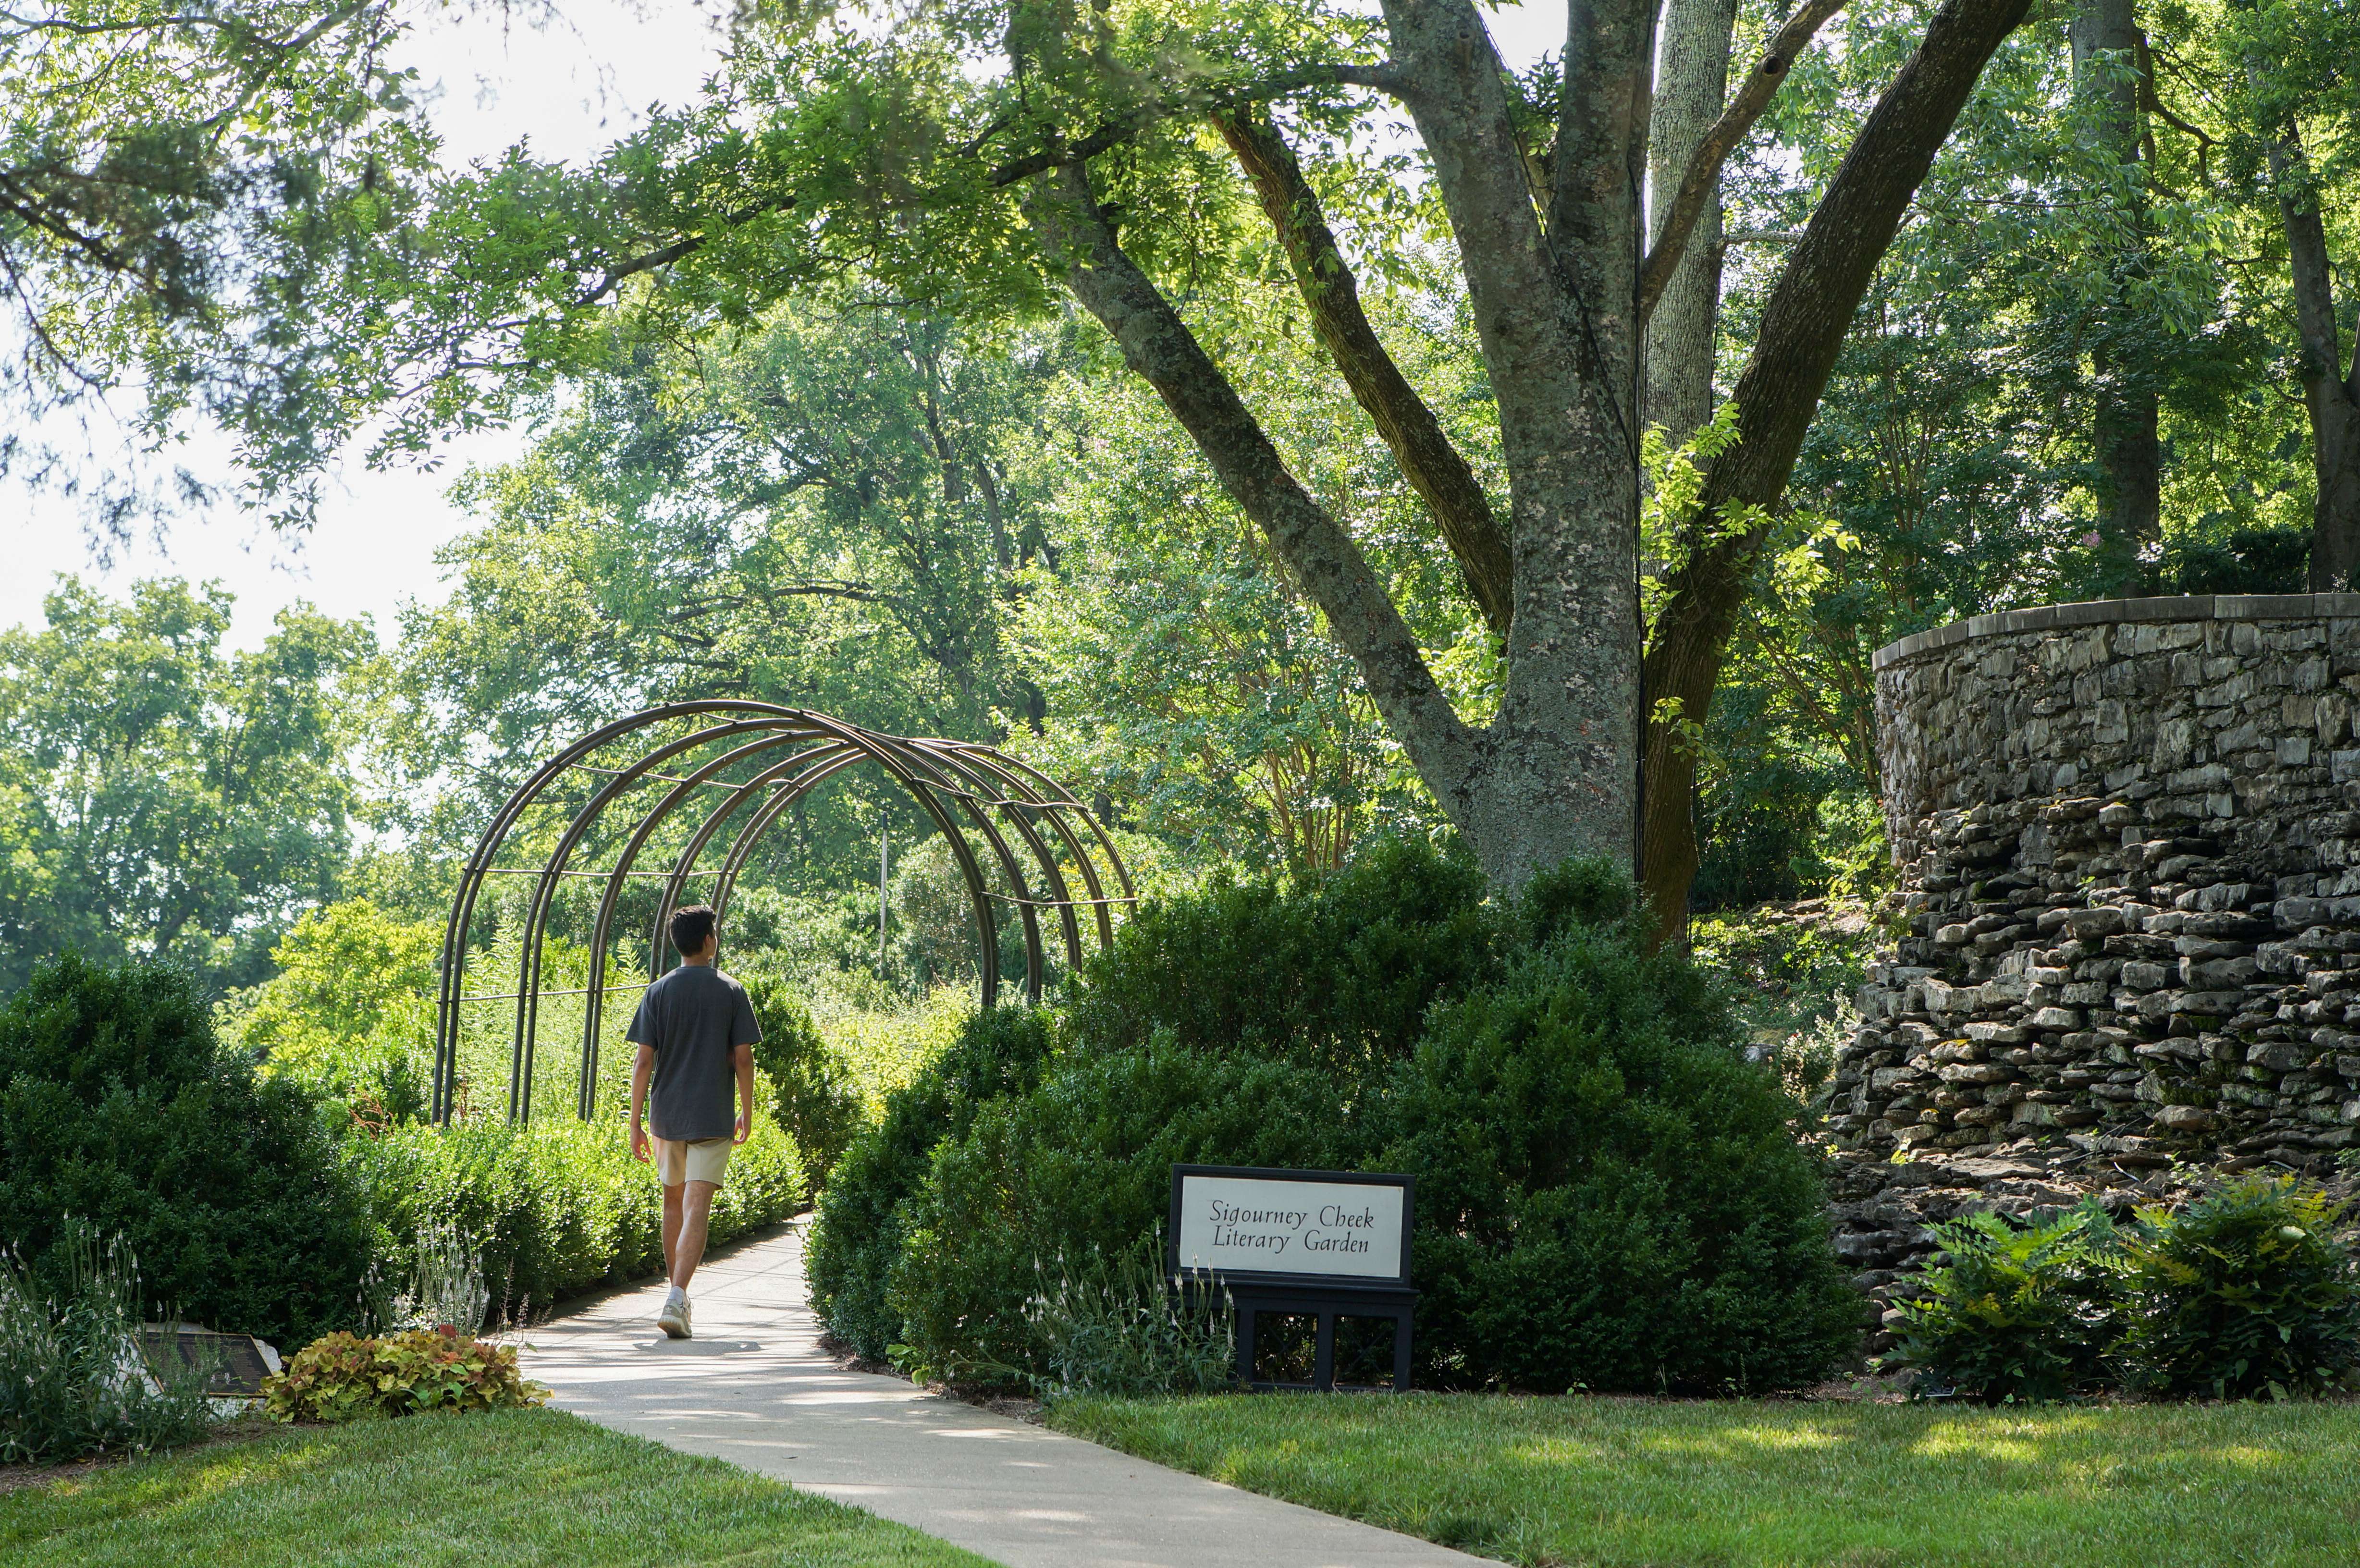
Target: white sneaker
[[674, 1319]]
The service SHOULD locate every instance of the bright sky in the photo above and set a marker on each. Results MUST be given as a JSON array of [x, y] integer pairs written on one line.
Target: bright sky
[[570, 87]]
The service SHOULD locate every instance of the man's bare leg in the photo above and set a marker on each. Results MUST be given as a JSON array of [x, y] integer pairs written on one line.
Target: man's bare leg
[[685, 1246], [671, 1208]]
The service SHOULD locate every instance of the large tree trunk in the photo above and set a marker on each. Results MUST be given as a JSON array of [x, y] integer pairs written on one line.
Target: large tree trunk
[[1682, 331], [1556, 316], [2329, 392], [2104, 39], [1559, 308], [1803, 327]]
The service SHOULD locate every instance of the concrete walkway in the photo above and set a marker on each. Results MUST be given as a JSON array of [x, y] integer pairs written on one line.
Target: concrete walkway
[[755, 1388]]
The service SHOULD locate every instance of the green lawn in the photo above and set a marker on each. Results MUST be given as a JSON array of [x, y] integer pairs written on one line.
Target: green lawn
[[510, 1488], [1735, 1484]]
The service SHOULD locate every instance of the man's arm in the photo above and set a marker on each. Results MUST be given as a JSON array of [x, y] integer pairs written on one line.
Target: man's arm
[[742, 1058], [642, 1068]]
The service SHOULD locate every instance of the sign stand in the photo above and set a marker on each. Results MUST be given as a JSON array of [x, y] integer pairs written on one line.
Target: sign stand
[[1318, 1244], [1329, 1303]]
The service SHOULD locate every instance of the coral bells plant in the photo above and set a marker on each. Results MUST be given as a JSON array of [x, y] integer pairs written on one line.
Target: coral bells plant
[[341, 1377]]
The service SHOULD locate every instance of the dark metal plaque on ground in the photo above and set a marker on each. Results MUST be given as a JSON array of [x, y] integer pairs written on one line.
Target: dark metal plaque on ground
[[237, 1363]]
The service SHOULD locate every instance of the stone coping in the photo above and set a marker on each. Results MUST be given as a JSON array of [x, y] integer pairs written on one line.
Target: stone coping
[[2107, 612]]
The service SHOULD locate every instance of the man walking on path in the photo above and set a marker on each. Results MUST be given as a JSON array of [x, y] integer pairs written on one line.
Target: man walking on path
[[696, 1030]]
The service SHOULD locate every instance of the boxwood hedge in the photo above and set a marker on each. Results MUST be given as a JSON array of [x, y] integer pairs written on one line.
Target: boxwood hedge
[[1611, 1195]]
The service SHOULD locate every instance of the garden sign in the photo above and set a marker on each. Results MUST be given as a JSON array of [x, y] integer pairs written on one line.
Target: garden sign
[[1326, 1244]]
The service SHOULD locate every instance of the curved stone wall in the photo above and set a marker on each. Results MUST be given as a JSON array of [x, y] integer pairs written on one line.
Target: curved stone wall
[[2127, 836]]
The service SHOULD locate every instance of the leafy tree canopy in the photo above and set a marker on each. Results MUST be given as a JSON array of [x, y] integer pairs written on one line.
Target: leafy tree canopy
[[159, 796]]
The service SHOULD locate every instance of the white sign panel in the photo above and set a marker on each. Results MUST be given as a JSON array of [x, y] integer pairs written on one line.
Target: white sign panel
[[1266, 1224]]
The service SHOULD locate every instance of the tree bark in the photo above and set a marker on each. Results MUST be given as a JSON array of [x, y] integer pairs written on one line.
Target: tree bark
[[1159, 348], [1555, 313], [1433, 467], [1803, 328], [1555, 772], [2104, 39], [1681, 332], [2331, 394], [1677, 218]]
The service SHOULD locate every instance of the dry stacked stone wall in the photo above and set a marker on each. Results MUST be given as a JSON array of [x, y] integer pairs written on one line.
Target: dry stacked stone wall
[[2127, 836]]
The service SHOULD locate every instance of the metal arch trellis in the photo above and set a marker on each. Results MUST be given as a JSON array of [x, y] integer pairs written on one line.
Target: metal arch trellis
[[959, 786]]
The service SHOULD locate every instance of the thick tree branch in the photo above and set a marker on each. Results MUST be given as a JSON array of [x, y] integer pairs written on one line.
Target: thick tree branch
[[663, 256], [2306, 262], [1158, 346], [1804, 323], [1691, 89], [1451, 81], [1753, 95], [1381, 78], [1433, 465]]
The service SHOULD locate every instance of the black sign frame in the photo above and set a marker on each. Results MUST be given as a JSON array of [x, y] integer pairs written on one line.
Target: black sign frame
[[1293, 1278], [1254, 1293]]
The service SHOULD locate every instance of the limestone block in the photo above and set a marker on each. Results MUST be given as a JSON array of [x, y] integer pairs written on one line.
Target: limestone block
[[2090, 925], [2279, 1056], [2216, 973]]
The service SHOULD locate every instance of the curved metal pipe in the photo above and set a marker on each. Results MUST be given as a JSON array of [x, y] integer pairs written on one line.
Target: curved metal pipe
[[879, 749], [982, 786], [1058, 891], [471, 881], [1009, 866], [544, 891], [1053, 812], [680, 793]]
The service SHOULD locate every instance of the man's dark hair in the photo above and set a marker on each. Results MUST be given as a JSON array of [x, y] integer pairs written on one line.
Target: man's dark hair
[[690, 926]]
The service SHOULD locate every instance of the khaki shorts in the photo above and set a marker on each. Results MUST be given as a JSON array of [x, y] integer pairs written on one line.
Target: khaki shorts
[[699, 1160]]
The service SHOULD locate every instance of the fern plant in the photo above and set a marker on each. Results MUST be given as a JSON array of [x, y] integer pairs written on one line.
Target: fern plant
[[2020, 1311], [2246, 1293]]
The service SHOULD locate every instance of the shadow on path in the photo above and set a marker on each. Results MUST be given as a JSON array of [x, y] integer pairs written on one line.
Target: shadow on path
[[754, 1387]]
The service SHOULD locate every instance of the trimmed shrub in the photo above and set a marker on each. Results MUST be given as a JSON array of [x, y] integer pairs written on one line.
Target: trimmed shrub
[[340, 1377], [2018, 1312], [1610, 1195], [1085, 1162], [119, 1109], [1340, 971], [556, 1207], [813, 1096], [858, 1233], [2244, 1292]]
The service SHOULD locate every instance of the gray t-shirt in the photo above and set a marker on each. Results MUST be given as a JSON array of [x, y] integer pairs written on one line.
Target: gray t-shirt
[[693, 1017]]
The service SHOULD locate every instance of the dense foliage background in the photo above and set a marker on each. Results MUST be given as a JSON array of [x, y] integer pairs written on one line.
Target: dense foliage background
[[808, 425], [976, 522]]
